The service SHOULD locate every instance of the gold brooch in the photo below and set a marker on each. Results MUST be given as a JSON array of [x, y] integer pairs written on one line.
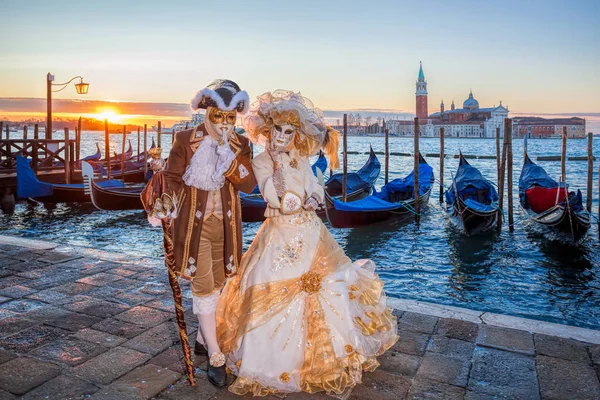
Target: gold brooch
[[285, 377], [310, 282], [294, 163]]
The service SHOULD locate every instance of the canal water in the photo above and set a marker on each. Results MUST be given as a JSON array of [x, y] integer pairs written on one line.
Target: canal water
[[528, 273]]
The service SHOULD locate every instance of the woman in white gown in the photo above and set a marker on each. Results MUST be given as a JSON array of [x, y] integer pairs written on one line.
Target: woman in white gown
[[299, 315]]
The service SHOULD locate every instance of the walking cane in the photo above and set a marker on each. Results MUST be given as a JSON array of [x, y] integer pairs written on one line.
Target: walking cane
[[155, 192]]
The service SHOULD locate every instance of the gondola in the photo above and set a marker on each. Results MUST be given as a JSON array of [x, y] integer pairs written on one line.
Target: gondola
[[395, 200], [94, 157], [103, 198], [30, 187], [545, 202], [359, 184], [472, 199], [253, 204], [128, 154]]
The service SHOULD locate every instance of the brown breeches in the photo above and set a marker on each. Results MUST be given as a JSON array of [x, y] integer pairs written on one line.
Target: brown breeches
[[210, 272]]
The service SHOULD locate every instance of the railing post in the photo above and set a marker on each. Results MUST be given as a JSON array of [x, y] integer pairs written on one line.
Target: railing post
[[78, 142], [67, 157], [34, 156]]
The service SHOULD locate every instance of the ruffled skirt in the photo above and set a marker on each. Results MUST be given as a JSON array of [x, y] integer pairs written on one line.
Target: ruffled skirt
[[300, 315]]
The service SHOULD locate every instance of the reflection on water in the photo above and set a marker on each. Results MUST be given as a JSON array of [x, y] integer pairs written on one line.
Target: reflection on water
[[526, 273]]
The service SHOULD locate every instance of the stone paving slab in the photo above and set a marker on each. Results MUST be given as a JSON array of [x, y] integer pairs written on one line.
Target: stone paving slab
[[22, 374], [70, 351], [506, 339], [102, 325], [566, 349], [110, 365], [99, 337], [562, 379], [62, 387], [141, 383], [154, 340], [30, 338], [503, 373]]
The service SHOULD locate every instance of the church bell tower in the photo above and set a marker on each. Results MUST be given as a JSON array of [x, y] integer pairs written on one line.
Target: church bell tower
[[421, 94]]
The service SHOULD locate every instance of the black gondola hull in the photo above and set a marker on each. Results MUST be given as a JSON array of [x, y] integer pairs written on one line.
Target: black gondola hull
[[473, 221]]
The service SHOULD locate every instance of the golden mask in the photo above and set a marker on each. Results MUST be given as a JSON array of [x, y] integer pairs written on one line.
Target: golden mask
[[217, 116]]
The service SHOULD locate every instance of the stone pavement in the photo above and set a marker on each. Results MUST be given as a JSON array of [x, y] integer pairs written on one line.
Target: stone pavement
[[78, 323]]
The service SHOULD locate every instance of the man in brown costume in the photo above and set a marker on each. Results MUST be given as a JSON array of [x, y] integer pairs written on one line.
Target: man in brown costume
[[206, 169]]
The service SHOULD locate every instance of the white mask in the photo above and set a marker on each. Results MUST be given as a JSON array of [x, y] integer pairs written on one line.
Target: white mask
[[219, 124], [282, 136]]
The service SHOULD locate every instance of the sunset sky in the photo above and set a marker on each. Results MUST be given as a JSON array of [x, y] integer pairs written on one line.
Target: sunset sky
[[535, 56]]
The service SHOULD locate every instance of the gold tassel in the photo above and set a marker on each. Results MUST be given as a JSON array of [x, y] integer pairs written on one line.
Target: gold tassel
[[331, 145]]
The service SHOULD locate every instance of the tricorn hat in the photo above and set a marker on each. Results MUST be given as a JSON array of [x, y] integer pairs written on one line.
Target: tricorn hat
[[224, 94]]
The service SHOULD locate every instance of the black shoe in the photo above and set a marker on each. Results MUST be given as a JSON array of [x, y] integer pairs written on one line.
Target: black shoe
[[217, 375], [200, 350]]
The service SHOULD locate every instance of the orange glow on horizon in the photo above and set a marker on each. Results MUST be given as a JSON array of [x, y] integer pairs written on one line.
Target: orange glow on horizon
[[109, 114]]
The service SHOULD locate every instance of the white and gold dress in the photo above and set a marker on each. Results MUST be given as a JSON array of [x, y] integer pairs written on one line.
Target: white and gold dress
[[300, 315]]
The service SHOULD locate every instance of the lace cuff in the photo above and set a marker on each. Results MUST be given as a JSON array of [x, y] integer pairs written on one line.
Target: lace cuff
[[205, 304]]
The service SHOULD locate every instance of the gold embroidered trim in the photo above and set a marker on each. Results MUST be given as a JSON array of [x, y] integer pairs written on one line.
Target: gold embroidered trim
[[188, 236], [234, 228]]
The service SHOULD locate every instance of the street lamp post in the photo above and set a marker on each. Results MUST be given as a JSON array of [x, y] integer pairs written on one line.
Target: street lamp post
[[81, 88]]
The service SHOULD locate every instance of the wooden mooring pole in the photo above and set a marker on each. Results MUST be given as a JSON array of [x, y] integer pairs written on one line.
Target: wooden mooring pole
[[146, 149], [563, 156], [345, 150], [588, 203], [7, 132], [36, 132], [138, 145], [67, 157], [78, 140], [123, 152], [442, 158], [498, 151], [501, 175], [416, 171], [107, 148], [24, 132], [159, 133], [387, 155], [509, 172]]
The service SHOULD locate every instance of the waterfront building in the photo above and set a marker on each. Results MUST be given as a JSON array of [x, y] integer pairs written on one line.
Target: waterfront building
[[536, 127]]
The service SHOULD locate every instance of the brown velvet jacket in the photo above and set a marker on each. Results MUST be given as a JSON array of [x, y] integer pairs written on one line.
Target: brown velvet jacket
[[186, 228]]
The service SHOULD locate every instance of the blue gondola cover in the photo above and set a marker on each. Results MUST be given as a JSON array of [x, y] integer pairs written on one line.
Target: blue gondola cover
[[28, 185], [468, 180]]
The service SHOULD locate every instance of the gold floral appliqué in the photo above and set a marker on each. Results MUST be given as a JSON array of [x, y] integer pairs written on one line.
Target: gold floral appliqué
[[285, 377], [310, 282]]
